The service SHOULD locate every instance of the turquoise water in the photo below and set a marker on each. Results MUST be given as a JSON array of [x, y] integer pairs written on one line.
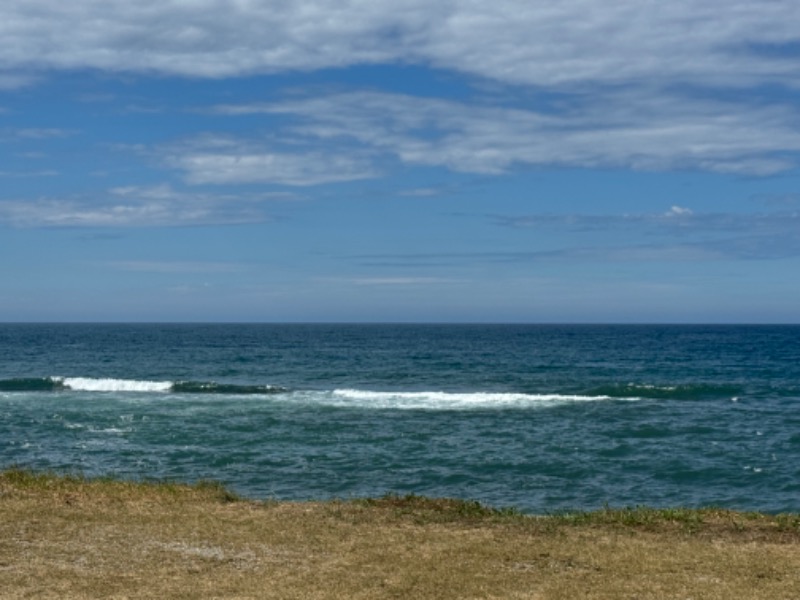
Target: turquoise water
[[541, 418]]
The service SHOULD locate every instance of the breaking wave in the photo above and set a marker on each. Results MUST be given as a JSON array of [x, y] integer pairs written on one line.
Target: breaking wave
[[360, 398], [345, 398], [453, 400], [92, 384]]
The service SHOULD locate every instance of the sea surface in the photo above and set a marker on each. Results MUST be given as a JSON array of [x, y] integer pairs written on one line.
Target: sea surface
[[542, 418]]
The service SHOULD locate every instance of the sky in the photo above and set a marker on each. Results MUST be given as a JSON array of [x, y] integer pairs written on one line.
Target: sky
[[628, 161]]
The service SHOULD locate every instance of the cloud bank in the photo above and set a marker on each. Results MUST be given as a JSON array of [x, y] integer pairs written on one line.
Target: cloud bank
[[730, 42]]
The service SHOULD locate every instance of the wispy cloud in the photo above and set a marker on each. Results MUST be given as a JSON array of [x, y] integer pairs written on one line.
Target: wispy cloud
[[676, 220], [703, 236], [33, 133], [734, 248], [678, 234], [134, 206], [227, 160], [27, 174], [15, 81], [608, 130]]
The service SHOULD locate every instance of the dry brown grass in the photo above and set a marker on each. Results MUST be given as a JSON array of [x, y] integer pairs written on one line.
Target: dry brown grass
[[70, 538]]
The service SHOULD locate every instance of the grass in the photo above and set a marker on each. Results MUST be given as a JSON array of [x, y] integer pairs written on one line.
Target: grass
[[72, 537]]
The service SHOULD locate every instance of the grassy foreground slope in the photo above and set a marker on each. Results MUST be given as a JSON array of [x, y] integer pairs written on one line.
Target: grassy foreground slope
[[63, 537]]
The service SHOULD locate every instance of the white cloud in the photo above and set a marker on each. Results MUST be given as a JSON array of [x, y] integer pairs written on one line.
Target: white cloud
[[224, 160], [156, 206], [269, 167], [730, 42], [603, 131], [678, 211]]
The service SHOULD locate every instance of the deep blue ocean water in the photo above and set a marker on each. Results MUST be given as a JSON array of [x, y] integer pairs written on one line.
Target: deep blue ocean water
[[538, 417]]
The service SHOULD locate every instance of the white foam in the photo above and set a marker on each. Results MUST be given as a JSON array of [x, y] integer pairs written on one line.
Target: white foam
[[452, 400], [115, 430], [87, 384]]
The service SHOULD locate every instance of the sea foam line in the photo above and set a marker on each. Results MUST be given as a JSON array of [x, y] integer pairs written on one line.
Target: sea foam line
[[455, 400]]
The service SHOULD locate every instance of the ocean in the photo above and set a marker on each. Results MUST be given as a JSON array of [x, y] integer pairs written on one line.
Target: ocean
[[541, 418]]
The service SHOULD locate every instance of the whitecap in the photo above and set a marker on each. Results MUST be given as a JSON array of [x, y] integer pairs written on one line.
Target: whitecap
[[452, 400], [88, 384]]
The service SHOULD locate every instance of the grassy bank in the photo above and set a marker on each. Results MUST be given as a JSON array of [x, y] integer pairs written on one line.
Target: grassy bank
[[63, 537]]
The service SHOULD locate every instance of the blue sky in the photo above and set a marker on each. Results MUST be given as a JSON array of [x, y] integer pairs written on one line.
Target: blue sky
[[628, 161]]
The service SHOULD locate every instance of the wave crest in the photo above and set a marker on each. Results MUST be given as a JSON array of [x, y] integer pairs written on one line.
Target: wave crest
[[108, 384], [455, 400], [88, 384]]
